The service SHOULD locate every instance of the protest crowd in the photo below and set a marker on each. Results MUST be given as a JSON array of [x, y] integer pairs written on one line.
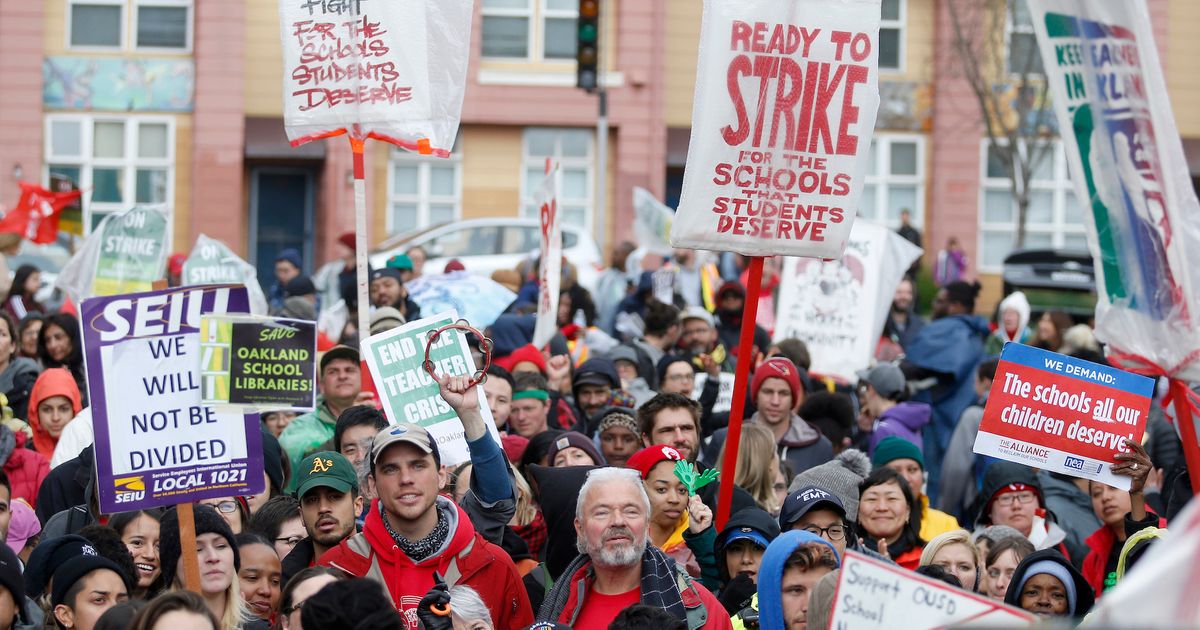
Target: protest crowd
[[586, 513]]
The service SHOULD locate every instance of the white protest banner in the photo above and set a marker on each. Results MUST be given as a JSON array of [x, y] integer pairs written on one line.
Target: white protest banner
[[838, 307], [786, 97], [1166, 576], [126, 253], [1061, 414], [1131, 176], [212, 262], [156, 443], [393, 71], [545, 198], [724, 392], [652, 222], [409, 394], [876, 594]]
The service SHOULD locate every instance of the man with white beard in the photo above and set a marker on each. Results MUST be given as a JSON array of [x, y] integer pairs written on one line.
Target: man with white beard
[[616, 567]]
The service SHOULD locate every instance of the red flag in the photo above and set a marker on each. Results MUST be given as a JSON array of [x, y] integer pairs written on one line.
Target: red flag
[[36, 214]]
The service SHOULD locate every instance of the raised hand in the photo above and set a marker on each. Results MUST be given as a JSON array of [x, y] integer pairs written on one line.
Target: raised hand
[[700, 516], [458, 392]]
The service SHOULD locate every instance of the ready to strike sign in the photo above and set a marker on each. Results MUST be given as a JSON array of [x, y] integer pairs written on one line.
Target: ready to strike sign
[[786, 98], [156, 443], [1065, 415]]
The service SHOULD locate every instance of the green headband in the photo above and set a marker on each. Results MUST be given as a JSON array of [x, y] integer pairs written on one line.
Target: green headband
[[538, 394]]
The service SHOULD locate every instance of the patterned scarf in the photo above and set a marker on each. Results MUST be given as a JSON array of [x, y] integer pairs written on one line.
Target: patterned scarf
[[419, 550], [659, 587]]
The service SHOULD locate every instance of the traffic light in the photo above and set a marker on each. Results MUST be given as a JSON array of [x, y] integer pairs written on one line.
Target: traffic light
[[587, 45]]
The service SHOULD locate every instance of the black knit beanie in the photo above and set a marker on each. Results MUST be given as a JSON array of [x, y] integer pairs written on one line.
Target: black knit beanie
[[208, 521], [273, 460]]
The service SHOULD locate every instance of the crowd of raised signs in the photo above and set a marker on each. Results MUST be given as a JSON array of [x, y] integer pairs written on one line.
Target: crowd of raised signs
[[586, 513]]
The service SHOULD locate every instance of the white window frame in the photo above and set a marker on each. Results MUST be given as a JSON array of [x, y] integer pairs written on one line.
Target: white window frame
[[899, 25], [586, 163], [536, 12], [1060, 186], [127, 39], [881, 179], [129, 163], [122, 37], [423, 198], [1010, 29]]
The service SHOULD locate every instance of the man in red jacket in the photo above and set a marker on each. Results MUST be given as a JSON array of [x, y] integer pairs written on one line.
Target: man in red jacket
[[411, 532]]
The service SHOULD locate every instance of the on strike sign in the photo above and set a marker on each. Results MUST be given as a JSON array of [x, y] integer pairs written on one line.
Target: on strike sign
[[1064, 415], [786, 97]]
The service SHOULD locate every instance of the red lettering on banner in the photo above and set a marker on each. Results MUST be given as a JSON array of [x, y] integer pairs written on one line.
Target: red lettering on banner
[[339, 63]]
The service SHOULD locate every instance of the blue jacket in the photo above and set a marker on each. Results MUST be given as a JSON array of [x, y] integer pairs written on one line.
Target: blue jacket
[[951, 347], [770, 575]]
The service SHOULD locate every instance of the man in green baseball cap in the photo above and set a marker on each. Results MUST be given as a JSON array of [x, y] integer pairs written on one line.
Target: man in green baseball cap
[[327, 487]]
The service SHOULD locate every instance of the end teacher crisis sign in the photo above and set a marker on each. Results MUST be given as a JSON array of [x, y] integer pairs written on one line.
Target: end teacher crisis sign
[[786, 98], [1065, 415]]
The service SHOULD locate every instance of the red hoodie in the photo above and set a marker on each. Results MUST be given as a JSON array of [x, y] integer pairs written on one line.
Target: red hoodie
[[467, 559], [1100, 544], [52, 382]]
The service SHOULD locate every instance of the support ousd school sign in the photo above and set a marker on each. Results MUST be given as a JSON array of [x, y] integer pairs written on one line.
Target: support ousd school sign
[[157, 444]]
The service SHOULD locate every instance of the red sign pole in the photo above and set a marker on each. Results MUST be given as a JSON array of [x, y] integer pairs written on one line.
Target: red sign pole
[[1187, 430], [733, 436]]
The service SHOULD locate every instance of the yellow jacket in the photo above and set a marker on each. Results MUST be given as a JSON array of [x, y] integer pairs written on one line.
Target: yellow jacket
[[935, 522]]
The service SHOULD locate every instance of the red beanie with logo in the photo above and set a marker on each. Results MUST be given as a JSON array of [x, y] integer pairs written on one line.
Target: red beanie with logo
[[777, 367]]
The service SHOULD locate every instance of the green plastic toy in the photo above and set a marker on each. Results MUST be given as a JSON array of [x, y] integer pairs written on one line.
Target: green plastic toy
[[686, 472]]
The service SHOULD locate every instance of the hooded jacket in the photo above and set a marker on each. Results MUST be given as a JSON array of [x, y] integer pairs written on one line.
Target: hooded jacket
[[16, 382], [1015, 301], [606, 370], [1045, 532], [949, 347], [52, 382], [755, 519], [770, 575], [802, 447], [26, 469], [1083, 592], [905, 420], [464, 558]]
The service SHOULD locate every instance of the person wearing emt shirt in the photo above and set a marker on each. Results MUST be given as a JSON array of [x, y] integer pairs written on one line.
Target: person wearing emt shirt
[[412, 533]]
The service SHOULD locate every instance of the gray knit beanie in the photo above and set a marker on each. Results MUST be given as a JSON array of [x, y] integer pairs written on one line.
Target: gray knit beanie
[[839, 476]]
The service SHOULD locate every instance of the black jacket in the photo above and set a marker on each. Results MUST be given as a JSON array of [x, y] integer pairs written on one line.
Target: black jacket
[[65, 486], [300, 558]]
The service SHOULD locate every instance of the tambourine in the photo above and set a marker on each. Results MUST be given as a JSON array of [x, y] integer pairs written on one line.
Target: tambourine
[[485, 348]]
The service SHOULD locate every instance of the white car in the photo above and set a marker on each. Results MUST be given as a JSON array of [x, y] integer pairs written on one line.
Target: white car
[[486, 245]]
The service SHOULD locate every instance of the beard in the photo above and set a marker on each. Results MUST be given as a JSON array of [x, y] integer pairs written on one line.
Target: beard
[[623, 555]]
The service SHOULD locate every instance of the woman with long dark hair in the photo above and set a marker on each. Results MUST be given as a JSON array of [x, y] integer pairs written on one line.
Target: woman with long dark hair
[[21, 299], [59, 345]]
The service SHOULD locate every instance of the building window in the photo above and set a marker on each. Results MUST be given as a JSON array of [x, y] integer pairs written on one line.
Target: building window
[[891, 35], [1054, 218], [572, 148], [422, 190], [1023, 54], [530, 30], [895, 180], [122, 161], [130, 25]]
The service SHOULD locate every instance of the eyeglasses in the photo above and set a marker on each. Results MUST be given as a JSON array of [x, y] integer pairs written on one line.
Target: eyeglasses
[[294, 608], [833, 532], [1006, 500], [681, 378], [224, 507], [290, 541]]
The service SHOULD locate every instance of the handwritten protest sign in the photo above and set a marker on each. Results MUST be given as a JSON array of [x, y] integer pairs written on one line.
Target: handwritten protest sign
[[1130, 172], [838, 307], [724, 393], [212, 262], [410, 394], [786, 97], [876, 594], [156, 442], [393, 71], [546, 200], [1065, 415], [258, 362], [126, 253]]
